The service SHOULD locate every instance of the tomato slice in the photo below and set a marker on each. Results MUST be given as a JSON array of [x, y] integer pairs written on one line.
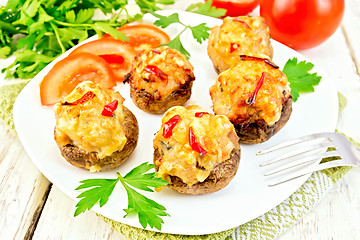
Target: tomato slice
[[117, 53], [69, 72], [236, 7], [142, 36]]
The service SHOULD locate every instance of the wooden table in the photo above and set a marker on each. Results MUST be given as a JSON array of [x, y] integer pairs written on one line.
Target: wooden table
[[31, 207]]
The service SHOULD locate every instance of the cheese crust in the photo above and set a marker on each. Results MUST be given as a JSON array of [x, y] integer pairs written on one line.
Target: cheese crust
[[243, 35], [176, 157], [176, 70], [235, 86], [84, 126]]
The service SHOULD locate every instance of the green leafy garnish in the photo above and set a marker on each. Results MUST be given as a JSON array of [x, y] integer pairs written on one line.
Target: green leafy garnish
[[200, 32], [165, 21], [148, 211], [300, 79], [5, 51], [100, 191], [148, 6], [177, 44], [205, 8]]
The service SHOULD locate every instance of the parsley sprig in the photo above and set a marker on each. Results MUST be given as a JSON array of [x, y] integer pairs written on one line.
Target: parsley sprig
[[200, 32], [99, 190], [147, 6], [207, 9], [300, 78]]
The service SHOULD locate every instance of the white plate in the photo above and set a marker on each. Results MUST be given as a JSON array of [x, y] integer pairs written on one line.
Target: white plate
[[244, 199]]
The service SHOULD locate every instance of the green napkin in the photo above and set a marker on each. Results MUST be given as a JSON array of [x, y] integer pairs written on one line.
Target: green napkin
[[8, 94], [267, 226]]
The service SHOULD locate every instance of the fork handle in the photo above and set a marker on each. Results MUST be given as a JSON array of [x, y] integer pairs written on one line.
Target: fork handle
[[322, 166]]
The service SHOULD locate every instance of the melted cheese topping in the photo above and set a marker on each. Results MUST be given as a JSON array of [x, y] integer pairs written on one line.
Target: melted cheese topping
[[177, 68], [248, 36], [177, 156], [233, 88], [83, 125]]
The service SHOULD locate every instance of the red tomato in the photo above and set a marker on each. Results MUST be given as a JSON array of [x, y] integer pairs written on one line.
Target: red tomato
[[143, 36], [236, 7], [69, 72], [117, 53], [302, 24]]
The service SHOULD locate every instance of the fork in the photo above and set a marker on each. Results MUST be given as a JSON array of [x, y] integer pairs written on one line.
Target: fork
[[301, 156]]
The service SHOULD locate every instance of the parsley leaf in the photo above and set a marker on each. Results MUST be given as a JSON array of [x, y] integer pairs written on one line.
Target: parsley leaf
[[107, 27], [99, 190], [300, 79], [138, 178], [200, 32], [176, 44], [5, 51], [148, 6], [28, 63], [84, 15], [164, 21], [147, 210], [70, 16], [207, 9]]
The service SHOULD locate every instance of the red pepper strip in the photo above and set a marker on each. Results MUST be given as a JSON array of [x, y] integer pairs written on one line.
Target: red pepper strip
[[86, 97], [113, 58], [250, 58], [234, 47], [156, 51], [251, 100], [194, 144], [155, 70], [109, 109], [241, 21], [169, 126], [200, 114]]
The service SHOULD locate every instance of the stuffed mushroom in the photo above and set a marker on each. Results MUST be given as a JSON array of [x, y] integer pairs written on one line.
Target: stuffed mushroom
[[159, 79], [197, 152], [255, 95], [93, 129]]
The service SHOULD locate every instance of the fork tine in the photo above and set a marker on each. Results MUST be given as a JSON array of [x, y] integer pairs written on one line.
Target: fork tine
[[322, 166], [294, 142], [301, 161], [303, 156], [298, 152]]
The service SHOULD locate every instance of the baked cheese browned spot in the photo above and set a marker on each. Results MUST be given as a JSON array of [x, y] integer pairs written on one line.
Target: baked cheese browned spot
[[243, 35]]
